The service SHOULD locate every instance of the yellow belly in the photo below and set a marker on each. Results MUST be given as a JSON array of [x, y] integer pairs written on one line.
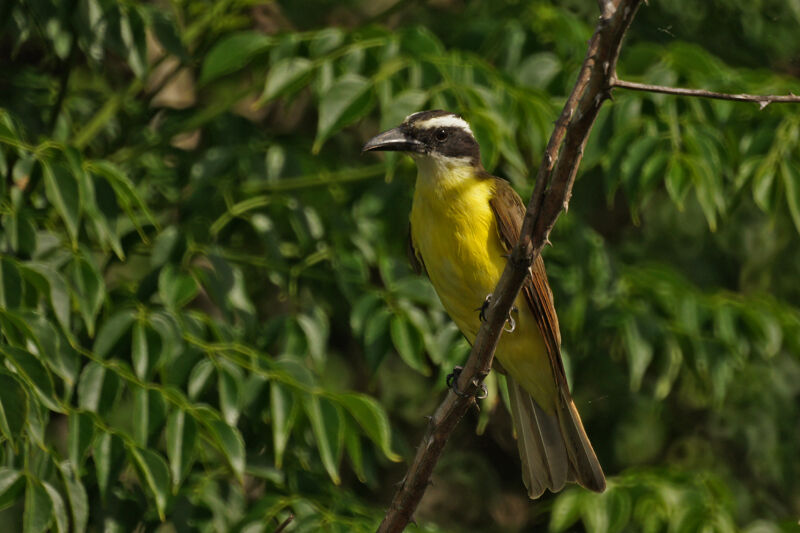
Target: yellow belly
[[455, 233]]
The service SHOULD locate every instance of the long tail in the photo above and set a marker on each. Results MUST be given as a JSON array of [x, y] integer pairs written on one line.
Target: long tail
[[554, 448]]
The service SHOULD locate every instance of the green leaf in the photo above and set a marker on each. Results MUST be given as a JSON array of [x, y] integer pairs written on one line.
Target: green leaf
[[677, 181], [362, 310], [790, 172], [175, 288], [79, 436], [61, 189], [639, 353], [167, 33], [227, 439], [408, 342], [10, 284], [76, 494], [286, 76], [419, 41], [33, 373], [763, 181], [11, 484], [97, 388], [228, 386], [139, 353], [181, 435], [112, 330], [325, 41], [400, 105], [233, 53], [352, 443], [283, 412], [108, 453], [375, 337], [13, 408], [38, 513], [90, 290], [566, 510], [199, 378], [132, 33], [52, 284], [372, 418], [349, 98], [316, 328], [59, 509], [328, 431], [125, 191], [154, 473]]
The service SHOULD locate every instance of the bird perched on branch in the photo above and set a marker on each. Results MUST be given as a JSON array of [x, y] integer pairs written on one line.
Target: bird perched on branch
[[464, 223]]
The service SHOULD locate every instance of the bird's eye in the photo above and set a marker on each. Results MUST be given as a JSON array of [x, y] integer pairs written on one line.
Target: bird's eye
[[441, 135]]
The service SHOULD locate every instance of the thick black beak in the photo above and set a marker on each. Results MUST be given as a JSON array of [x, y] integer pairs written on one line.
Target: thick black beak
[[393, 140]]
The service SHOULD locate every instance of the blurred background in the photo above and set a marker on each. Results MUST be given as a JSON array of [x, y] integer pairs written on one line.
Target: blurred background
[[209, 322]]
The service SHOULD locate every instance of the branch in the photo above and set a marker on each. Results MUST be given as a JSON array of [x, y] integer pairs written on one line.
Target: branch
[[762, 100], [558, 168]]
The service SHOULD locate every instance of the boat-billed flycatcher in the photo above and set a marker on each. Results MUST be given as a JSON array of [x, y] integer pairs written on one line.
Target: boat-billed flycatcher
[[464, 223]]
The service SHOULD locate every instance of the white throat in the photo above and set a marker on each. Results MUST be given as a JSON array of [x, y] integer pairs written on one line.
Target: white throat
[[442, 172]]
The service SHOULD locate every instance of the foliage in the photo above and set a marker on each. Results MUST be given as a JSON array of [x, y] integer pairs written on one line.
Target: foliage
[[208, 320]]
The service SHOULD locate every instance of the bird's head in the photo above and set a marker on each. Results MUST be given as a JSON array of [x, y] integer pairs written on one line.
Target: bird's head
[[434, 136]]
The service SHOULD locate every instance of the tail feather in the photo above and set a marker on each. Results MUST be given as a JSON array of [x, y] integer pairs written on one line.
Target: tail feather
[[587, 470], [554, 448]]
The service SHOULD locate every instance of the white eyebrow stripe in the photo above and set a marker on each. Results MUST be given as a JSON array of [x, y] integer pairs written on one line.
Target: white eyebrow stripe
[[444, 121]]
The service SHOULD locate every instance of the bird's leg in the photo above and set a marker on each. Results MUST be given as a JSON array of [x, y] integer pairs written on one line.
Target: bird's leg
[[452, 380], [511, 324]]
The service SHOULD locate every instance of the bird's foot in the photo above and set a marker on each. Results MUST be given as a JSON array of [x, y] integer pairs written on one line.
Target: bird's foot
[[452, 382], [510, 325], [484, 306]]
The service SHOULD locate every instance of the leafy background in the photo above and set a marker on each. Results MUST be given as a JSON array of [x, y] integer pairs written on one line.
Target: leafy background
[[208, 322]]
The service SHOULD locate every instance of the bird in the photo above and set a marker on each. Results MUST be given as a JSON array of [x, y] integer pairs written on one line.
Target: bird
[[463, 224]]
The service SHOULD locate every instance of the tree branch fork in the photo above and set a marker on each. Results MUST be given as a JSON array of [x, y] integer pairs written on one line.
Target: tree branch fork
[[554, 179]]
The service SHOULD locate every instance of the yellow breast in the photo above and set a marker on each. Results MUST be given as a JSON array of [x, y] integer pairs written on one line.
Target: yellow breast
[[455, 233]]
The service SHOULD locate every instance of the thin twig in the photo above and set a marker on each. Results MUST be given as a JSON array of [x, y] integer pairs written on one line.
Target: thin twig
[[557, 170], [763, 100], [283, 524]]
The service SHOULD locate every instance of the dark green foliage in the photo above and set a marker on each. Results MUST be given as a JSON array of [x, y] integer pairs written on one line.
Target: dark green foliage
[[206, 314]]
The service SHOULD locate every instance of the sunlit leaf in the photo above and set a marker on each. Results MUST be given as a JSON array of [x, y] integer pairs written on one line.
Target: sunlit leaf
[[61, 520], [327, 426], [154, 473], [78, 500], [372, 418], [227, 439], [283, 411], [12, 482], [348, 99], [97, 388], [112, 330], [108, 453], [181, 434], [285, 76]]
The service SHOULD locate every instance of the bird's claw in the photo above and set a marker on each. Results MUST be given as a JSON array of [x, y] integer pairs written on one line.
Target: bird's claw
[[452, 380], [484, 306], [510, 325]]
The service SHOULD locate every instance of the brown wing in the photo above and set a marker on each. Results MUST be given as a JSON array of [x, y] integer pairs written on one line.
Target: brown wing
[[509, 212], [413, 257]]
